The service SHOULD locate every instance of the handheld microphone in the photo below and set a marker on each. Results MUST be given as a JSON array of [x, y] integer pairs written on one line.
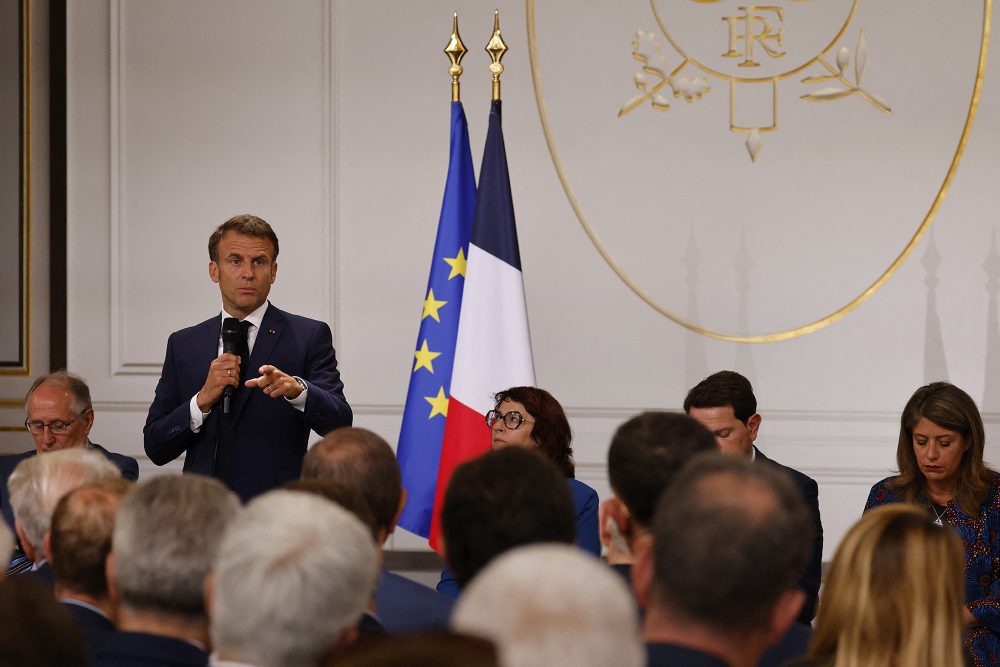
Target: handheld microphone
[[230, 344]]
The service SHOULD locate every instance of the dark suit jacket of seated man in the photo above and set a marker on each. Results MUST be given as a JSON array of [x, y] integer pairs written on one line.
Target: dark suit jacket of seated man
[[260, 444]]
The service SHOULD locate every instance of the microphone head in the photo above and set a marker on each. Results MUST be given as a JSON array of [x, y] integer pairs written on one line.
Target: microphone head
[[230, 331]]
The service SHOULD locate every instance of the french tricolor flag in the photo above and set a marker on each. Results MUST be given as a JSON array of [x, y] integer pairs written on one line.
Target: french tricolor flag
[[493, 347]]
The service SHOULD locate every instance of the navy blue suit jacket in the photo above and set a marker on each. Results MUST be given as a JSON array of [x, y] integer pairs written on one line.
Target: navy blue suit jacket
[[810, 579], [128, 466], [271, 434], [96, 628], [404, 606], [132, 649]]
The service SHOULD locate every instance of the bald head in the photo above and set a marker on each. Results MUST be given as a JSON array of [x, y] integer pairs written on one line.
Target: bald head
[[80, 537], [361, 460], [730, 538]]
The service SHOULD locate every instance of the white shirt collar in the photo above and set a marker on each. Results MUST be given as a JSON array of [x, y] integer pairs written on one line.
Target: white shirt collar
[[254, 318]]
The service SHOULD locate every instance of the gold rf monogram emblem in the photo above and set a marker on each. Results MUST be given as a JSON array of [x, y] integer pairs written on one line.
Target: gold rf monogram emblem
[[751, 48]]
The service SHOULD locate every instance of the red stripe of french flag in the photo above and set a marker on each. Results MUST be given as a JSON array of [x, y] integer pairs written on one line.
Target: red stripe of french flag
[[492, 353]]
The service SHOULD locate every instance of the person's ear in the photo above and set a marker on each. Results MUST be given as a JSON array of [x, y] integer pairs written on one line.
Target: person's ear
[[786, 610], [752, 425], [209, 592], [26, 546], [109, 574], [88, 420], [399, 511], [47, 547], [642, 569], [616, 531]]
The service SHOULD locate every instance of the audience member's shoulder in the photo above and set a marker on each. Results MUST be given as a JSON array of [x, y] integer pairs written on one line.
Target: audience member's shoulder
[[128, 465], [127, 649], [792, 646], [581, 492], [800, 478], [9, 461], [405, 606]]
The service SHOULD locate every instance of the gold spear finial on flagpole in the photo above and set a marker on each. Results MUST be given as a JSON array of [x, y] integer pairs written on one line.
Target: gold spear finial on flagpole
[[455, 51], [496, 48]]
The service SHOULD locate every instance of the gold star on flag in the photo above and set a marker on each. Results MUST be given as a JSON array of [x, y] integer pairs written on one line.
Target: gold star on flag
[[457, 264], [431, 306], [439, 404], [425, 358]]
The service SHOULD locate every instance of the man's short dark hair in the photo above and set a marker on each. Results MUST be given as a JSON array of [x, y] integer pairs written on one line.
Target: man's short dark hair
[[248, 225], [646, 453], [362, 460], [721, 389], [730, 538], [503, 499], [80, 535]]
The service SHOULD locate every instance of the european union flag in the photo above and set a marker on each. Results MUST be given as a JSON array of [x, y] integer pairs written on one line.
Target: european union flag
[[420, 438]]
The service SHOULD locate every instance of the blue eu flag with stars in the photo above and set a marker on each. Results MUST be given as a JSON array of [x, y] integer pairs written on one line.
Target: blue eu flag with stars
[[426, 410]]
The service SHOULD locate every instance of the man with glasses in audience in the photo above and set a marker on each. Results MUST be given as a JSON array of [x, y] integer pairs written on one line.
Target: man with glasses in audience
[[60, 415]]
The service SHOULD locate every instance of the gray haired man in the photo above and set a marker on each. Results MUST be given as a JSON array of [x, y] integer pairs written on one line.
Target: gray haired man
[[36, 486], [167, 533], [293, 575]]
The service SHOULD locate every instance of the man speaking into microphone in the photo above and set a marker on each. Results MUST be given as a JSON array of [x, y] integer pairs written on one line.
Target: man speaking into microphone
[[240, 392]]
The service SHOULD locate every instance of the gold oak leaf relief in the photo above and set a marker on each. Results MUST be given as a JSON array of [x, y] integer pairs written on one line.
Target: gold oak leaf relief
[[653, 77]]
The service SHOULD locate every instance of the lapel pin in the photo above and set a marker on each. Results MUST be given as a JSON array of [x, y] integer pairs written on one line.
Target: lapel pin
[[271, 331]]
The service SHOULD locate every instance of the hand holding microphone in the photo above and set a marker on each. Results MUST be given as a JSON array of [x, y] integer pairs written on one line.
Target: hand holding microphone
[[224, 373]]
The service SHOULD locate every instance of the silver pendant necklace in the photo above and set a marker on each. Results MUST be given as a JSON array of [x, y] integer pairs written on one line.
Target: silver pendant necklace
[[939, 518]]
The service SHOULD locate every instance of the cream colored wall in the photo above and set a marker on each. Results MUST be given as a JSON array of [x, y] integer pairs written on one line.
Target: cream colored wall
[[330, 120]]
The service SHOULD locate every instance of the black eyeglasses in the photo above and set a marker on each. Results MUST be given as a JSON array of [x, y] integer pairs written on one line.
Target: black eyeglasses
[[511, 420], [57, 427]]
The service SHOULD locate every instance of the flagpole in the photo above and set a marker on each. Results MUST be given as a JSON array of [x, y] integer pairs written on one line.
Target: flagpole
[[496, 48], [421, 434], [455, 51]]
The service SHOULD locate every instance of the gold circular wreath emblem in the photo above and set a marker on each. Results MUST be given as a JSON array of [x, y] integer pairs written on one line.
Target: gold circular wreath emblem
[[785, 334]]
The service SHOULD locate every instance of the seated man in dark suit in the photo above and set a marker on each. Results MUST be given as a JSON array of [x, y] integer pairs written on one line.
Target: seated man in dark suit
[[77, 546], [363, 461], [646, 454], [36, 486], [506, 498], [725, 404], [292, 577], [166, 536], [60, 415], [717, 580]]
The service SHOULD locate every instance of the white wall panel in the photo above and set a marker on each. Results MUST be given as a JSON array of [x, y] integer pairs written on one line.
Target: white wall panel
[[330, 120]]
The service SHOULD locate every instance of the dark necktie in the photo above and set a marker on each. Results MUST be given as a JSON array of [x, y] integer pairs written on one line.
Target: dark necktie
[[244, 351]]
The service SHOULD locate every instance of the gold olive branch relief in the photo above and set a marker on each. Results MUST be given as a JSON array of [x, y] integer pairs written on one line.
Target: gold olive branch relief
[[838, 74], [690, 89]]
